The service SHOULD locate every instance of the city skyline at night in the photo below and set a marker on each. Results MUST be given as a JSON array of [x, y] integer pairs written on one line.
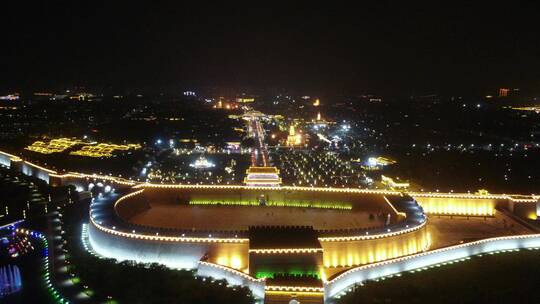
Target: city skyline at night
[[293, 153]]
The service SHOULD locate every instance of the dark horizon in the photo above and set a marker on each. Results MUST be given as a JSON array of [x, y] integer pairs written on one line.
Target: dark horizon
[[385, 48]]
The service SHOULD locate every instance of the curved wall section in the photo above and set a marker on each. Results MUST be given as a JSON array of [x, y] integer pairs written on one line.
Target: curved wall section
[[346, 253], [126, 209], [172, 254], [120, 239], [232, 277], [402, 238], [357, 275]]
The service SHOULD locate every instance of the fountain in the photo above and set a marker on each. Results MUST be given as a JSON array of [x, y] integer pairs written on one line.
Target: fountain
[[10, 280]]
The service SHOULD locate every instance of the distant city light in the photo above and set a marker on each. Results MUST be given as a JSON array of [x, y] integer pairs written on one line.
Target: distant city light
[[10, 97], [202, 163]]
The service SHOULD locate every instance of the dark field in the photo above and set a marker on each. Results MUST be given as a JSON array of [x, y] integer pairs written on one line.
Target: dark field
[[499, 278]]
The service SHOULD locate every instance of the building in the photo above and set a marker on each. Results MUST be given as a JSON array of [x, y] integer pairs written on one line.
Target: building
[[392, 184], [377, 163], [294, 139], [262, 176], [202, 163], [319, 121], [503, 92], [245, 100], [273, 239]]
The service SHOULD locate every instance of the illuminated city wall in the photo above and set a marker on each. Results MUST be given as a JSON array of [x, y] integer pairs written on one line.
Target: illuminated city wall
[[181, 254], [32, 170], [25, 167], [459, 206], [5, 159], [80, 184], [232, 277], [341, 252], [343, 282], [132, 206], [269, 264], [525, 210], [358, 201], [83, 181]]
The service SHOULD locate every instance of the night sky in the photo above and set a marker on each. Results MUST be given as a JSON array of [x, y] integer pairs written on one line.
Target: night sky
[[383, 48]]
